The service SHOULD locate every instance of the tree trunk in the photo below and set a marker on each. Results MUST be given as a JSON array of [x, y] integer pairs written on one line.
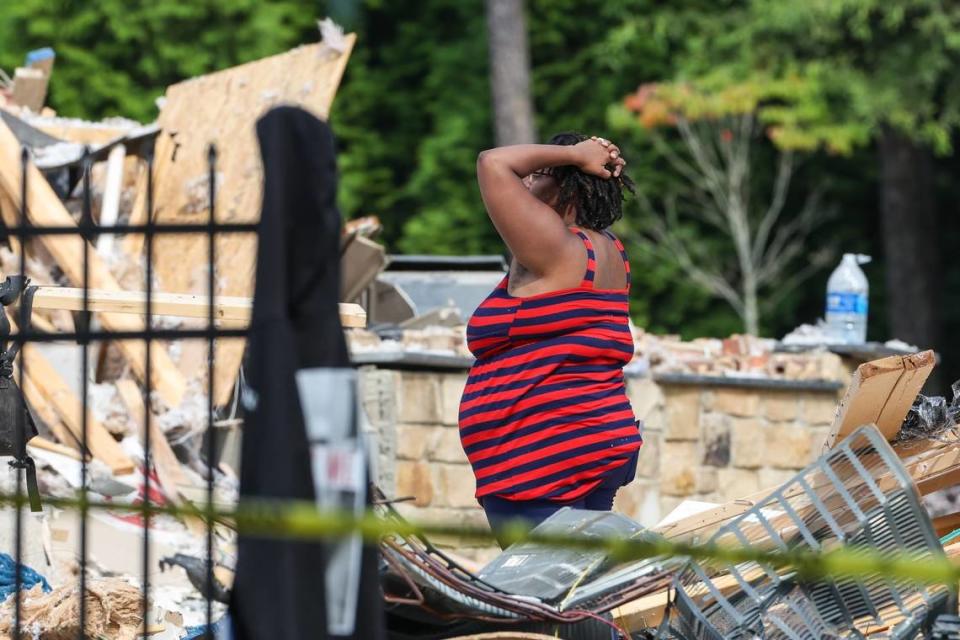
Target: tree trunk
[[509, 72], [751, 311], [910, 240]]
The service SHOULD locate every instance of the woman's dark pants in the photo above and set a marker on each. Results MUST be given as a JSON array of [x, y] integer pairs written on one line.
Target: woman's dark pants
[[532, 512]]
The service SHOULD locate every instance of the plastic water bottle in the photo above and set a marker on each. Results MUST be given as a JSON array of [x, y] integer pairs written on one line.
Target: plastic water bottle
[[847, 296]]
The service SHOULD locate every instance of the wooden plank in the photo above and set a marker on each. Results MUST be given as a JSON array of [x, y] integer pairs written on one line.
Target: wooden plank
[[164, 459], [362, 261], [112, 192], [222, 108], [79, 131], [234, 309], [133, 242], [48, 445], [881, 393], [947, 524], [45, 209], [10, 216], [55, 390], [648, 611], [42, 409], [948, 478], [30, 88]]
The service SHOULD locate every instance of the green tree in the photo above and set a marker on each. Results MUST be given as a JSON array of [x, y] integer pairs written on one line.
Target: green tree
[[115, 57], [838, 74]]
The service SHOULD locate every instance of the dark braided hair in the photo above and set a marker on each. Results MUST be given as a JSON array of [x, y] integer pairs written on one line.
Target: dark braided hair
[[598, 202]]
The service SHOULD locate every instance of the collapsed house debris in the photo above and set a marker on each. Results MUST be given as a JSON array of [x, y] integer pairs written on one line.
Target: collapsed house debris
[[865, 488], [415, 308], [82, 173]]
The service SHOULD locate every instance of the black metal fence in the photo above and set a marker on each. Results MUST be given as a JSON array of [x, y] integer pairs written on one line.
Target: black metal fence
[[85, 334]]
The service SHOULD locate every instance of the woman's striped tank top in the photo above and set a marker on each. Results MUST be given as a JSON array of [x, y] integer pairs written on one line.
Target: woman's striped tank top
[[545, 413]]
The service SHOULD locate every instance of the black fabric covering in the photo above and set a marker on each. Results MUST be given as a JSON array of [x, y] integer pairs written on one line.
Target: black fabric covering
[[279, 586]]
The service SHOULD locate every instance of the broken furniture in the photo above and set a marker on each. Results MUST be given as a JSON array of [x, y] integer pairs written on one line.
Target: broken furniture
[[857, 495]]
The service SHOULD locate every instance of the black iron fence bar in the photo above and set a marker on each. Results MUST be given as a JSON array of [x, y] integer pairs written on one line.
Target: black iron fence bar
[[86, 223], [148, 238], [211, 453], [84, 335], [31, 231], [20, 437]]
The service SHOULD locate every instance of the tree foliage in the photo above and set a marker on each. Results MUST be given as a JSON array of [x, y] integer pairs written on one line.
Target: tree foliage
[[414, 108], [115, 57], [830, 73]]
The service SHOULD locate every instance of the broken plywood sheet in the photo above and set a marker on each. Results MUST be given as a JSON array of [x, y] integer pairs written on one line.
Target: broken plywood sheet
[[45, 209], [222, 108], [361, 263], [881, 393]]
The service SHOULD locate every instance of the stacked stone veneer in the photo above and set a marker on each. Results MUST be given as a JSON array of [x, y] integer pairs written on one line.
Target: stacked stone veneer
[[710, 443]]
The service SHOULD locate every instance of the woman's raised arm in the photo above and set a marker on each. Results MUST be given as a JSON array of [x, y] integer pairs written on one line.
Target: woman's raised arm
[[535, 233]]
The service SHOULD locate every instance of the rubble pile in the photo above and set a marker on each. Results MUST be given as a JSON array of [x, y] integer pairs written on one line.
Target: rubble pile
[[740, 356], [416, 311], [105, 394]]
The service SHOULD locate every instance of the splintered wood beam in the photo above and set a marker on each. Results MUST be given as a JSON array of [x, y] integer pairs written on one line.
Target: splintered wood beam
[[51, 387], [169, 472], [164, 459], [230, 309], [44, 209]]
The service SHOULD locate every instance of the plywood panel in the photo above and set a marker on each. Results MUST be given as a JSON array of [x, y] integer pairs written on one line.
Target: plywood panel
[[222, 108], [881, 393]]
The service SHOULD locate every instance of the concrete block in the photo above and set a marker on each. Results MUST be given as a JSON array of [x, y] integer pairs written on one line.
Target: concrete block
[[378, 394], [639, 500], [656, 419], [414, 479], [747, 443], [716, 439], [736, 402], [451, 390], [818, 441], [682, 412], [645, 395], [773, 478], [412, 441], [679, 468], [706, 400], [419, 398], [445, 445], [455, 486], [737, 483], [648, 464], [788, 446], [707, 480], [819, 408], [782, 407]]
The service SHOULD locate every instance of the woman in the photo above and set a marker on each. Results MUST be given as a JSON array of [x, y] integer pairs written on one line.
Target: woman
[[544, 419]]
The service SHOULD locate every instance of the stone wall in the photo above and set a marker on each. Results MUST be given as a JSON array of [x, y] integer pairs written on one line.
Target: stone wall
[[706, 442], [719, 443]]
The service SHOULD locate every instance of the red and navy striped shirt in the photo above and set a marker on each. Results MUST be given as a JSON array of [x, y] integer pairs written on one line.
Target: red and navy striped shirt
[[545, 413]]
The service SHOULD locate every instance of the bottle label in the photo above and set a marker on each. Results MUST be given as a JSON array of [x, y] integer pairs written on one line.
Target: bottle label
[[846, 302]]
